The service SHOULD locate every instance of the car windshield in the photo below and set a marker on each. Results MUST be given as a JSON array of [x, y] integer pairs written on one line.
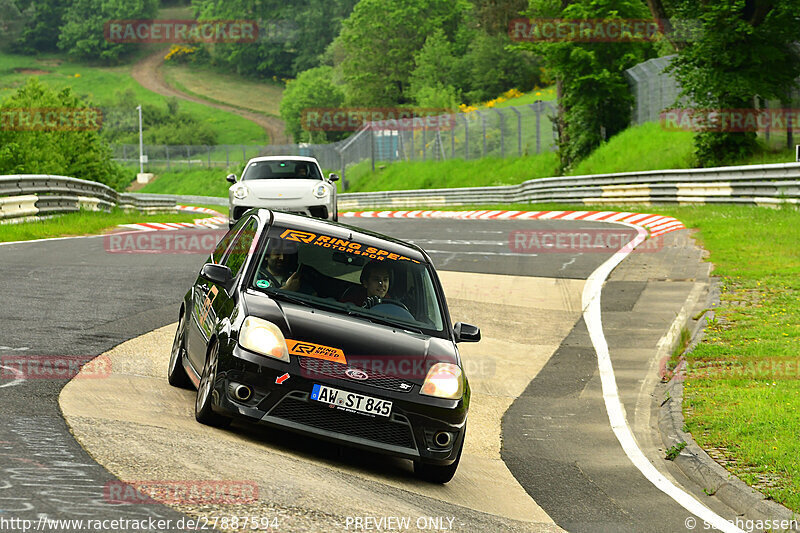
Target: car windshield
[[289, 169], [350, 277]]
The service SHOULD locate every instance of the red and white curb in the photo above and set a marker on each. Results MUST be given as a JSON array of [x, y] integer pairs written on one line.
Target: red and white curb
[[655, 224], [209, 223], [195, 209]]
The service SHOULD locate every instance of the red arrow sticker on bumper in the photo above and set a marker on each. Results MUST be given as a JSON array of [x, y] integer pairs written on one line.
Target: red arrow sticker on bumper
[[280, 379]]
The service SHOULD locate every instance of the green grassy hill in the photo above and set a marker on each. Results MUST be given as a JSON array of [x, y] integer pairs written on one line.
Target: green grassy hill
[[100, 84]]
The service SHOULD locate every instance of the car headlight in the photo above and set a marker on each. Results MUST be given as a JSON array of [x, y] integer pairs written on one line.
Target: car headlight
[[444, 380], [263, 337], [241, 192], [320, 191]]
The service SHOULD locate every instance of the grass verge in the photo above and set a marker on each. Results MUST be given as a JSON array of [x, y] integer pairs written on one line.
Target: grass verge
[[84, 223], [742, 392], [200, 182]]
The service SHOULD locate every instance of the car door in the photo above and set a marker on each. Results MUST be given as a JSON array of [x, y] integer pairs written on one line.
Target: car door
[[199, 299], [215, 302]]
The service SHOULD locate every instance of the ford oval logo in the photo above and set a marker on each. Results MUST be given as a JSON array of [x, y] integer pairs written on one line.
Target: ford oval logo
[[356, 374]]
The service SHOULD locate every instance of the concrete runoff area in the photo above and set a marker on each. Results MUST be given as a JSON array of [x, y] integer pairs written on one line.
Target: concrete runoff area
[[139, 428]]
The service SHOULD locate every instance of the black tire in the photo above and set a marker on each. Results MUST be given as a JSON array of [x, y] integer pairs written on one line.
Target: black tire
[[176, 374], [202, 404], [437, 473]]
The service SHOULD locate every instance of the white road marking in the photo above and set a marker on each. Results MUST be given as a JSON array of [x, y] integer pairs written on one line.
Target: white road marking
[[568, 263], [616, 411], [9, 348], [19, 379]]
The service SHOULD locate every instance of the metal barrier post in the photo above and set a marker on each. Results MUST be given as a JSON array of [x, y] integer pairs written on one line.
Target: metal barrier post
[[501, 123], [519, 129], [451, 121], [466, 138]]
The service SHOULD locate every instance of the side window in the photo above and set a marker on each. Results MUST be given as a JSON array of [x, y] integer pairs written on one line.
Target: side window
[[241, 246], [219, 251]]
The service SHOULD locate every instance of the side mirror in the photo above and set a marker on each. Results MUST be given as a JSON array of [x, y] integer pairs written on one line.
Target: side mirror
[[466, 332], [219, 274], [333, 177], [231, 178]]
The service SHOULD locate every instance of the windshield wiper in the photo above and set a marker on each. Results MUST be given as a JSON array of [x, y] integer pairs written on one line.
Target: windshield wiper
[[280, 295], [384, 321]]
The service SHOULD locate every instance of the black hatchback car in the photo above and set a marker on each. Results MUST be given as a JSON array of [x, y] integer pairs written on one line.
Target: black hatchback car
[[326, 330]]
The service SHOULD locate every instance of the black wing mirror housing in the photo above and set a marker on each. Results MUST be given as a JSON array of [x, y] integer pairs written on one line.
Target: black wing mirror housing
[[231, 178], [333, 177], [466, 332], [219, 274]]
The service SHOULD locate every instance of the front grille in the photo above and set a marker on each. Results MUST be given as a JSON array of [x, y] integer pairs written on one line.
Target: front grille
[[312, 367], [394, 433]]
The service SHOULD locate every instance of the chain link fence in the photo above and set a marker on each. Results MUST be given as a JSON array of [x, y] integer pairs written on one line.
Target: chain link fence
[[655, 90], [491, 132]]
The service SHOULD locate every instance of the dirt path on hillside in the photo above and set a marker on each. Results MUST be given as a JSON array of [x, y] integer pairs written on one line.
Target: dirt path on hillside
[[148, 73]]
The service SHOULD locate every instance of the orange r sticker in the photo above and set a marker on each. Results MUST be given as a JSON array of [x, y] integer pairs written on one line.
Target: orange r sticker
[[316, 351]]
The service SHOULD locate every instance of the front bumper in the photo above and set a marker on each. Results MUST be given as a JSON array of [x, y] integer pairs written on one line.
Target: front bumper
[[322, 209], [408, 432]]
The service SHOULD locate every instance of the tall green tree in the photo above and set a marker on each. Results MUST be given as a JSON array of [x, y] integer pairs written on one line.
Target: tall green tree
[[42, 25], [376, 45], [292, 38], [82, 34], [431, 82], [493, 16], [743, 49], [488, 68], [594, 99], [313, 90]]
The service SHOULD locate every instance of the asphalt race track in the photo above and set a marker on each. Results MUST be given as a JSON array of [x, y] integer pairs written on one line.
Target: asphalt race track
[[560, 462]]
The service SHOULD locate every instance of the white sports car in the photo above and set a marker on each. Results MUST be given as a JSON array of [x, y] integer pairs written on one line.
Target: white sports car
[[293, 184]]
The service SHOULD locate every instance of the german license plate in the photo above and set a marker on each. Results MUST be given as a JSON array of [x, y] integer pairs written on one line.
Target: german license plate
[[351, 401]]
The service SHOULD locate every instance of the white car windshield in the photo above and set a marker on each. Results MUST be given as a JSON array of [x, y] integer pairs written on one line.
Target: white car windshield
[[349, 277], [289, 169]]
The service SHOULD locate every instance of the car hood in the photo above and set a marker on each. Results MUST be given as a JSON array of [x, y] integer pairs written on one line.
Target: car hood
[[363, 343], [281, 189]]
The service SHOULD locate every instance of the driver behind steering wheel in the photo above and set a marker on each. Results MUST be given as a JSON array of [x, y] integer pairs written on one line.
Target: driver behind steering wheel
[[375, 277]]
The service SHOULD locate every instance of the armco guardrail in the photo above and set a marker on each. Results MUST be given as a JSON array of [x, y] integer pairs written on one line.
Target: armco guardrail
[[41, 194], [755, 184]]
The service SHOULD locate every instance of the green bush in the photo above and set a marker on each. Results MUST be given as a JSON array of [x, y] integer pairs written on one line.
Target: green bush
[[49, 148], [168, 125]]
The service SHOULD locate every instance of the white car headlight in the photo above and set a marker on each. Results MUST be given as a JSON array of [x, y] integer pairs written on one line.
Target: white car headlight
[[263, 337], [240, 192], [320, 191], [444, 380]]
